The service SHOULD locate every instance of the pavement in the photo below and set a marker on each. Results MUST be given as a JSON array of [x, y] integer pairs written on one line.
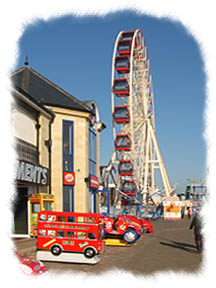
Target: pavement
[[26, 246], [170, 248]]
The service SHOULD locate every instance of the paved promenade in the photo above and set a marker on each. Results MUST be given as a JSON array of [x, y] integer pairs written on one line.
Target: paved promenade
[[171, 248]]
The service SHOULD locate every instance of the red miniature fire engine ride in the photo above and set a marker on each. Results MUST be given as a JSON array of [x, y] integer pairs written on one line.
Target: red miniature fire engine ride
[[129, 229]]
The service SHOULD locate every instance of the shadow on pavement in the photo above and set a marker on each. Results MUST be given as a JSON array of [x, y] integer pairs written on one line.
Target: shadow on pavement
[[182, 246]]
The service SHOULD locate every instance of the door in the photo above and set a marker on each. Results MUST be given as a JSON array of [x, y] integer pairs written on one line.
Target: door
[[20, 211]]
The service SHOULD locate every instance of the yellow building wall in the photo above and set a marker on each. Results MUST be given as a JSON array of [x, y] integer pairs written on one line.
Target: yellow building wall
[[43, 149], [98, 167], [43, 136], [81, 162]]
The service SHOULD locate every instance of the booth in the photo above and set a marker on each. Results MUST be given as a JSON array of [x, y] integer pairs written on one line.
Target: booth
[[172, 208], [39, 202]]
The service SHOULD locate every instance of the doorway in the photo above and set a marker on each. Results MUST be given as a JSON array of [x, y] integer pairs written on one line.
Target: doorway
[[20, 211]]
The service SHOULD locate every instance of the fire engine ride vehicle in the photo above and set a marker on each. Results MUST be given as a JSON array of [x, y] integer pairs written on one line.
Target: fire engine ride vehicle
[[124, 227]]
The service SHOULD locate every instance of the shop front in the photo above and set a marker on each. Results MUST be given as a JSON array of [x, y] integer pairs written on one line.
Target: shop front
[[30, 179], [31, 123]]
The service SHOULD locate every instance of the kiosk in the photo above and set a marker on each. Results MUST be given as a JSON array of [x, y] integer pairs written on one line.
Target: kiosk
[[39, 202], [172, 208]]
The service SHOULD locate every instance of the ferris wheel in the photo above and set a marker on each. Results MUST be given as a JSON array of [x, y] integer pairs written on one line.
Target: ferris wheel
[[137, 152]]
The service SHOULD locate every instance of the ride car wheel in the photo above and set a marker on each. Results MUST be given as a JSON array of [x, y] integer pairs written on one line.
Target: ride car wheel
[[130, 236], [56, 250], [89, 253]]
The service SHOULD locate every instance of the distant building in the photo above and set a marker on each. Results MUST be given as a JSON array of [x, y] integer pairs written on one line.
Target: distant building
[[70, 137], [196, 190]]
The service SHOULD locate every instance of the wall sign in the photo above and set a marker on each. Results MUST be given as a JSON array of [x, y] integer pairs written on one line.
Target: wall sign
[[190, 181], [69, 178], [93, 182], [28, 172]]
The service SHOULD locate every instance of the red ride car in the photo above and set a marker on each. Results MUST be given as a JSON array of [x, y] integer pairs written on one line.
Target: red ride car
[[30, 266], [128, 229], [146, 225]]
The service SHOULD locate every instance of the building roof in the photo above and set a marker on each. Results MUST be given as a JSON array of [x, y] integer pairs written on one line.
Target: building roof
[[20, 93], [44, 91]]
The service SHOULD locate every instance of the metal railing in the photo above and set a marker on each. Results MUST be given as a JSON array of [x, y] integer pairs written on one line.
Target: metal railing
[[26, 151]]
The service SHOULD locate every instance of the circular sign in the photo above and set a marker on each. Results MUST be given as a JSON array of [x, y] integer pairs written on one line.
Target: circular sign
[[69, 178]]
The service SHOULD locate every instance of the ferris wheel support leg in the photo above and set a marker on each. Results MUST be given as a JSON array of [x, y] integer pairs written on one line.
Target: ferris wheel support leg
[[163, 171], [108, 169], [146, 164]]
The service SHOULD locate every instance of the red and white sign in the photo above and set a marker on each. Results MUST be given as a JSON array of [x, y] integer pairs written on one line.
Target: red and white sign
[[69, 178], [94, 182]]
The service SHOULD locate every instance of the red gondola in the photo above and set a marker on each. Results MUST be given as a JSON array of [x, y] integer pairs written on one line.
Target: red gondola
[[125, 168], [129, 187], [122, 64], [121, 114], [123, 142], [124, 44], [121, 87], [124, 47], [128, 35]]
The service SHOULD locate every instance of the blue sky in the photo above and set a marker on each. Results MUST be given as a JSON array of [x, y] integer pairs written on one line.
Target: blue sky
[[76, 54]]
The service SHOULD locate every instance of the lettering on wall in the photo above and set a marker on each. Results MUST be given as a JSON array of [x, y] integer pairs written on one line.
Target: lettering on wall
[[32, 173]]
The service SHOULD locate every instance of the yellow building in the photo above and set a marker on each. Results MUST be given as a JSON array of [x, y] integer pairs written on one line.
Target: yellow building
[[73, 144]]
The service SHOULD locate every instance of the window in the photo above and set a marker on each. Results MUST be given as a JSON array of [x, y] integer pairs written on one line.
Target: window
[[67, 145], [71, 234], [81, 235], [68, 136], [36, 207], [71, 219], [91, 236], [51, 218], [48, 206], [68, 198], [61, 219], [51, 233], [43, 217], [68, 164], [92, 152], [68, 157], [81, 219], [61, 234], [91, 220], [42, 232]]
